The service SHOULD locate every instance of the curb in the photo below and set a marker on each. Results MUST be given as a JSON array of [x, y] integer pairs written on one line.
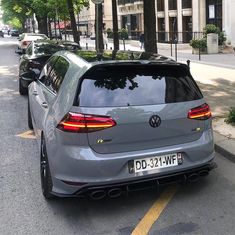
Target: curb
[[230, 156], [225, 146]]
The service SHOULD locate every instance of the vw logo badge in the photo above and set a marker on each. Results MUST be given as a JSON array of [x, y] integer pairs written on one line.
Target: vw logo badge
[[155, 121]]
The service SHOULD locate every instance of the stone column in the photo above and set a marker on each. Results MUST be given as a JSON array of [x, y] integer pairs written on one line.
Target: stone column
[[195, 15], [166, 20], [226, 15], [202, 14], [156, 15], [179, 20]]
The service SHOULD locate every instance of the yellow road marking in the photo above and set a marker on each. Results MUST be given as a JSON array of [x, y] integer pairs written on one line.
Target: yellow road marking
[[155, 211], [27, 135]]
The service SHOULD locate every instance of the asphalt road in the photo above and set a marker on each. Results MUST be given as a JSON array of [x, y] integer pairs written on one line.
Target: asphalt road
[[206, 207]]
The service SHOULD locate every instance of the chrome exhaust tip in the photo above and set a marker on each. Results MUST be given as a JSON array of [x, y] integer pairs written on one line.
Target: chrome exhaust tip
[[98, 194], [193, 178], [203, 173], [114, 193]]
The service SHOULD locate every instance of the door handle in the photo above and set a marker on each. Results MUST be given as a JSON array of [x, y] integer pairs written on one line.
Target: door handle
[[44, 105], [35, 92]]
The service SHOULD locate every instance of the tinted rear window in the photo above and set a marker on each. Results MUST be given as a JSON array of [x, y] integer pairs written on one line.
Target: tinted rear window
[[137, 85], [46, 48]]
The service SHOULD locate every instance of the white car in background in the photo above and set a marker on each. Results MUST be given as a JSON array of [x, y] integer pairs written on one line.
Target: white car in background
[[26, 38]]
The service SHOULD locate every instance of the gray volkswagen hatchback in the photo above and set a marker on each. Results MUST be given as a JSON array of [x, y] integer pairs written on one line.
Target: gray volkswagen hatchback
[[113, 123]]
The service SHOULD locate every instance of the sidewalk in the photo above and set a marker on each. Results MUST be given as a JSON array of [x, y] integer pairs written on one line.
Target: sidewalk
[[215, 75]]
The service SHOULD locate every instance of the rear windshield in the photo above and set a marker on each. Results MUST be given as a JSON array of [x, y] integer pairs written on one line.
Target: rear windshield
[[46, 48], [113, 86]]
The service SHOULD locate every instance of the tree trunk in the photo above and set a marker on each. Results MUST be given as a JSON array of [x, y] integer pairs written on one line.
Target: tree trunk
[[76, 36], [150, 40], [42, 24], [49, 28], [115, 25], [99, 33]]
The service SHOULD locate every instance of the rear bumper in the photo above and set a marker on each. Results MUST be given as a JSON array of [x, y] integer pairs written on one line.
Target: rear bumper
[[74, 168], [113, 190]]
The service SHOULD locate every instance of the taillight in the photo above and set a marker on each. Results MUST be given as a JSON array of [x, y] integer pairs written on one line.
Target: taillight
[[25, 43], [200, 113], [83, 123]]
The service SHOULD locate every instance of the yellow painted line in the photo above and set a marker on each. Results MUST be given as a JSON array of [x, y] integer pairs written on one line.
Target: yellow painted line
[[155, 211], [27, 135]]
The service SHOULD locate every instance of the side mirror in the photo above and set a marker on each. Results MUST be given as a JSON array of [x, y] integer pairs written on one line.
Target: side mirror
[[29, 76], [18, 51]]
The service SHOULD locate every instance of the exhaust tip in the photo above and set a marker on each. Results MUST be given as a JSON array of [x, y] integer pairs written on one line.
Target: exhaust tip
[[203, 173], [193, 178], [98, 195], [114, 193]]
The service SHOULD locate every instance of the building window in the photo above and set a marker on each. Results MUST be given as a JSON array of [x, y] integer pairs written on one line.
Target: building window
[[214, 12], [160, 5], [172, 4], [186, 4]]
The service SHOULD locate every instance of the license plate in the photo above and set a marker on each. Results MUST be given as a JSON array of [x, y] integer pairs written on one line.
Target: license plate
[[151, 163]]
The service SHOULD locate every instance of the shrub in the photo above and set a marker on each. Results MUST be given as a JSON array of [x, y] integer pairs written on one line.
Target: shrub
[[222, 38], [123, 34], [109, 33], [198, 43], [231, 116], [211, 28]]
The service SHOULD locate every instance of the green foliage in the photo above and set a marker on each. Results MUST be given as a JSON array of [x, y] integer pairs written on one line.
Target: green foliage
[[222, 38], [109, 33], [210, 28], [21, 9], [231, 116], [15, 23], [198, 43], [123, 34]]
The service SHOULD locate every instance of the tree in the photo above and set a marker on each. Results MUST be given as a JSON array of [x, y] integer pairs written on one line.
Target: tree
[[43, 9], [76, 36], [150, 38], [115, 25], [99, 33], [22, 9]]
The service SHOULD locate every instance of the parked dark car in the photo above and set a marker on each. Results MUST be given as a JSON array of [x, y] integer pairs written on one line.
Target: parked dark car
[[14, 33], [110, 124], [1, 34], [34, 58]]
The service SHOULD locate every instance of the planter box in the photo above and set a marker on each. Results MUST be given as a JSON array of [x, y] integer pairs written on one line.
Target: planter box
[[195, 51]]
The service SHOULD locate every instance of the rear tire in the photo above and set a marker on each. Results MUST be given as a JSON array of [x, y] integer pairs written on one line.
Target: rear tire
[[46, 182], [22, 90], [30, 124]]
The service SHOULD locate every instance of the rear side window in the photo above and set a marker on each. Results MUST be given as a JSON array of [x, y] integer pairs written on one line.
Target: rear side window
[[46, 70], [112, 86], [57, 74]]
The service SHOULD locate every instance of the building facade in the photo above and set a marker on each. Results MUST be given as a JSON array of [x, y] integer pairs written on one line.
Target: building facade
[[180, 19], [87, 17]]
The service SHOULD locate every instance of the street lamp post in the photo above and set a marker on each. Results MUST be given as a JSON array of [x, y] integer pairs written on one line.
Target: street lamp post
[[97, 2]]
